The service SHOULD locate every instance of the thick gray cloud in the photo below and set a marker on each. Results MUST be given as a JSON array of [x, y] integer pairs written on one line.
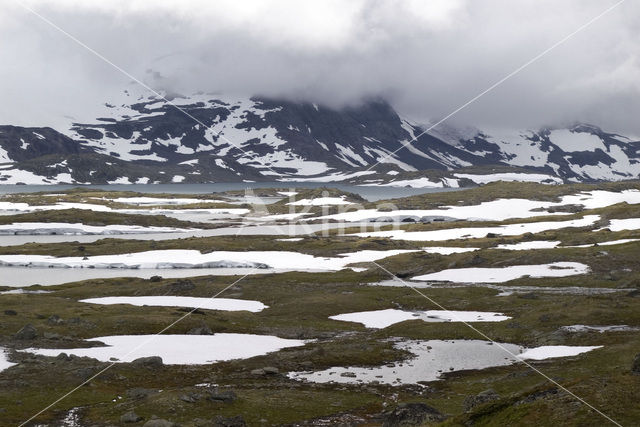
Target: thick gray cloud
[[426, 57]]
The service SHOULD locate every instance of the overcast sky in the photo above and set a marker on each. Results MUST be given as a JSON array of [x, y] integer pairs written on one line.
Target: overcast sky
[[427, 57]]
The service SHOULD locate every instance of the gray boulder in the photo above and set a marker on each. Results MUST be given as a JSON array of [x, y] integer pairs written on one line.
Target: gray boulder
[[218, 395], [151, 362], [202, 330], [28, 332], [130, 417]]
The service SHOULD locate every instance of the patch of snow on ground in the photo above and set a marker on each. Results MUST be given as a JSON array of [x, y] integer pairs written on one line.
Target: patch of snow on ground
[[178, 349], [551, 351], [383, 318], [183, 258], [224, 304], [447, 250], [4, 363], [523, 246], [505, 274], [479, 232], [435, 357], [498, 210], [624, 224]]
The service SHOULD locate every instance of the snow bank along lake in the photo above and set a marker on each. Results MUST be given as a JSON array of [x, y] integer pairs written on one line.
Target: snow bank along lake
[[40, 228], [26, 270], [178, 349], [435, 357], [184, 258]]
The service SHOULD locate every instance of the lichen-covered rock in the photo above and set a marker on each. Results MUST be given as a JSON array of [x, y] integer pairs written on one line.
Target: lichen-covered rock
[[411, 414]]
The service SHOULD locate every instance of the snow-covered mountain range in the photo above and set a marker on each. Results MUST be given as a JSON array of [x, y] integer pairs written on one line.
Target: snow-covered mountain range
[[212, 138]]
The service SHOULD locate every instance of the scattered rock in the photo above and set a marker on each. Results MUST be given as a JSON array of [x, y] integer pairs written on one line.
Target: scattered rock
[[139, 393], [151, 362], [155, 278], [52, 336], [411, 414], [257, 372], [28, 332], [159, 422], [190, 397], [220, 421], [55, 320], [202, 330], [635, 367], [221, 395], [348, 374], [130, 417], [476, 260], [10, 313], [471, 402], [270, 370]]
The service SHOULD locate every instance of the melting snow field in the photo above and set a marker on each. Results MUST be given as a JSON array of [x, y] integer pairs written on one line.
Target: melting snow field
[[182, 258], [508, 290], [178, 349], [479, 232], [447, 250], [55, 228], [4, 363], [498, 210], [12, 208], [435, 357], [225, 304], [383, 318], [504, 274], [624, 224], [523, 246]]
